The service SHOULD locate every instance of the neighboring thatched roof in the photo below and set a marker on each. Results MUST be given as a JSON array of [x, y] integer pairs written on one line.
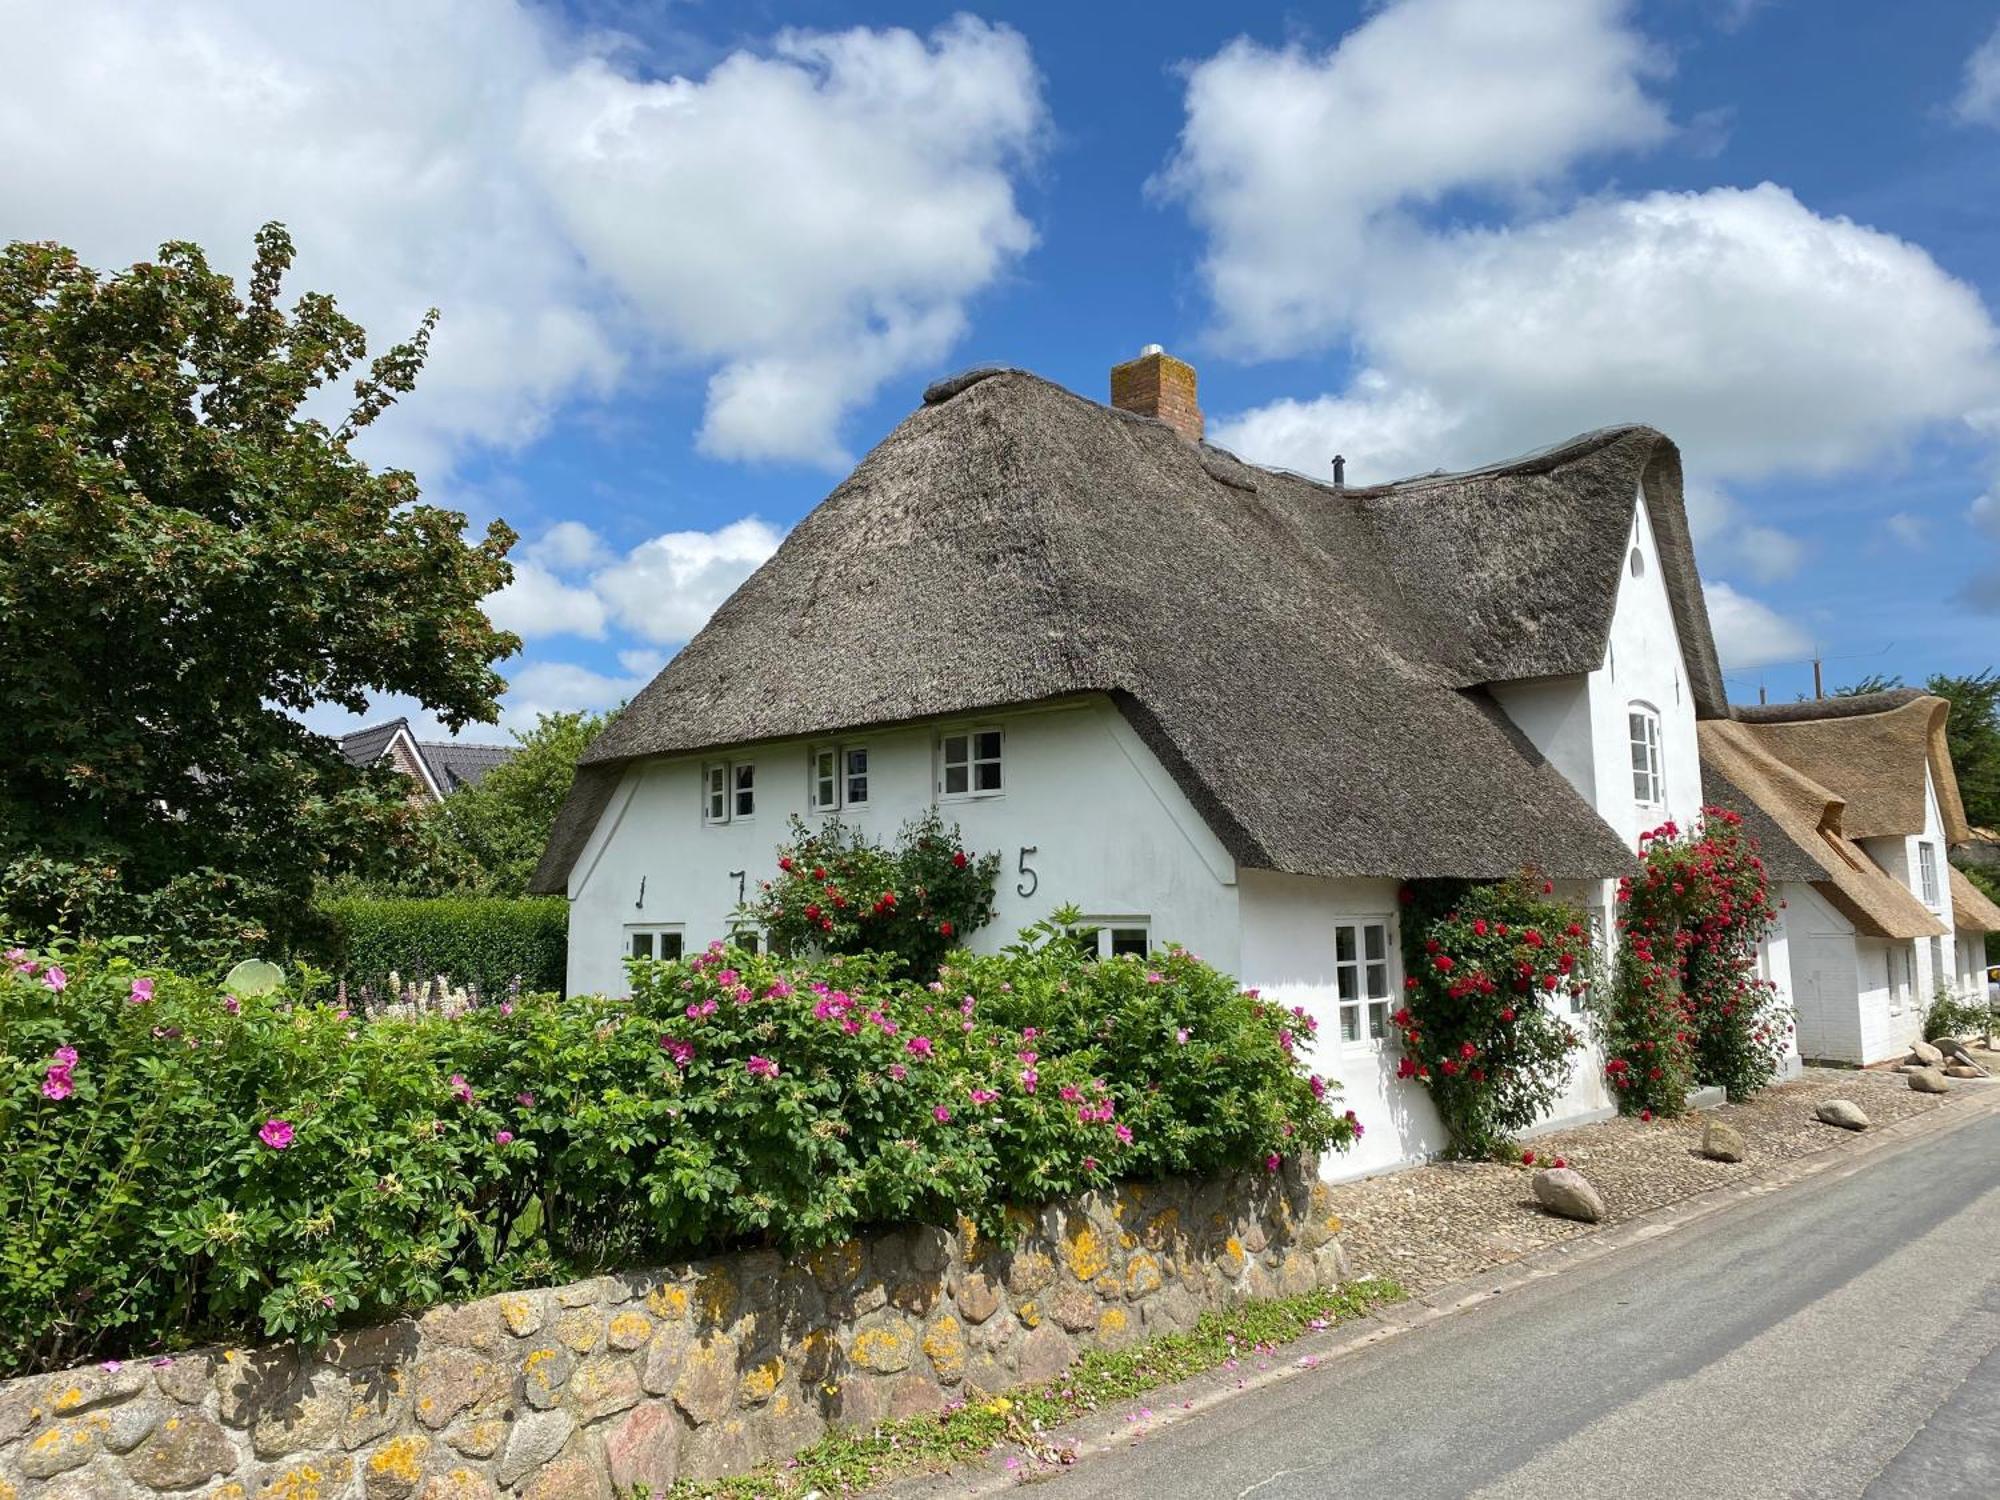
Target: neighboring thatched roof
[[1971, 908], [1306, 661], [1783, 856], [1812, 820], [1872, 750]]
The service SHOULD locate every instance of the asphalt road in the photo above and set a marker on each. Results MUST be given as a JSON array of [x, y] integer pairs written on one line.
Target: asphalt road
[[1835, 1339]]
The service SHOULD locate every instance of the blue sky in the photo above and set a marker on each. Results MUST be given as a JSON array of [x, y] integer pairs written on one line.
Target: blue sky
[[692, 259]]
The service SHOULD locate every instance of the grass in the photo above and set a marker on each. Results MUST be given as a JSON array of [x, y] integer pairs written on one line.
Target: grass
[[845, 1463]]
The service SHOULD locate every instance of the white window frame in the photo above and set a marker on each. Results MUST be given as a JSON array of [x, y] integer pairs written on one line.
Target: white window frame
[[1367, 1012], [1643, 735], [716, 800], [742, 786], [656, 935], [1927, 872], [830, 792], [971, 763], [1107, 933]]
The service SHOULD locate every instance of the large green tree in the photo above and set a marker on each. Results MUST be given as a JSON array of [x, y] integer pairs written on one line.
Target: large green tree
[[189, 557]]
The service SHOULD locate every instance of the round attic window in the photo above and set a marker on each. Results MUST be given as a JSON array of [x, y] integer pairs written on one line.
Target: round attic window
[[1638, 563]]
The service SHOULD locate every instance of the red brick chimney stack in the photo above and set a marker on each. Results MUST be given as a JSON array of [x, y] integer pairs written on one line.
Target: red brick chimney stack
[[1158, 385]]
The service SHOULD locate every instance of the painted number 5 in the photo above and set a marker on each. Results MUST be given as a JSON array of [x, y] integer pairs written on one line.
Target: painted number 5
[[1032, 882]]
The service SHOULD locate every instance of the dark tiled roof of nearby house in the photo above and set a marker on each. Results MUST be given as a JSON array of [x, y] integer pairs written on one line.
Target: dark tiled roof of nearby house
[[457, 765], [1871, 751], [451, 764], [365, 746], [1306, 661]]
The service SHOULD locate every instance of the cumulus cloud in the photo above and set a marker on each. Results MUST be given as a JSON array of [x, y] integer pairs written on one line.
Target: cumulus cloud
[[807, 219], [1978, 101], [1299, 165], [814, 218], [538, 603], [550, 687], [665, 589], [1749, 633]]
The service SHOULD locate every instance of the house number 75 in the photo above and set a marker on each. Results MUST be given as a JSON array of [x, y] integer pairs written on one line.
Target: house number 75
[[1033, 882]]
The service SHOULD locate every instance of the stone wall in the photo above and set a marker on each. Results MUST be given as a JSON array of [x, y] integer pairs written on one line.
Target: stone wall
[[692, 1371]]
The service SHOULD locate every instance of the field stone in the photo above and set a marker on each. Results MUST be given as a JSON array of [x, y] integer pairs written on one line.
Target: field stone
[[1929, 1081], [1567, 1193], [537, 1437], [1962, 1070], [1721, 1141], [1926, 1054], [1842, 1112], [644, 1449], [184, 1450]]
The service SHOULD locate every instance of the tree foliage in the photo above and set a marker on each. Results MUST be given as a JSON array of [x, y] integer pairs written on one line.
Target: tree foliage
[[190, 556], [496, 831]]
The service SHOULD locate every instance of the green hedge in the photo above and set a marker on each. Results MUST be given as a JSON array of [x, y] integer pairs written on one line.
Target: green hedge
[[487, 940], [185, 1165]]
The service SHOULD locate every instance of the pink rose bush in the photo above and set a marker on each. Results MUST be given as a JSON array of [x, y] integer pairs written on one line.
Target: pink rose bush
[[265, 1166]]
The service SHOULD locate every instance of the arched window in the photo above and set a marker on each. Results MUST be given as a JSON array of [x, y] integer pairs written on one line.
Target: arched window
[[1649, 782]]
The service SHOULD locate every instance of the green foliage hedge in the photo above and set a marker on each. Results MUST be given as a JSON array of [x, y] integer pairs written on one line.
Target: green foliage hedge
[[483, 939], [183, 1165]]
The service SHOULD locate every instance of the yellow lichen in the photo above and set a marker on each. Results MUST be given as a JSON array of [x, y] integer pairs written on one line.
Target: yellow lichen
[[520, 1313], [667, 1302], [945, 1344], [401, 1458], [307, 1482], [1111, 1320], [630, 1329], [759, 1382], [1085, 1252], [70, 1399]]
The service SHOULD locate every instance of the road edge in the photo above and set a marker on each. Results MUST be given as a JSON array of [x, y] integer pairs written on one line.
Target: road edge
[[1105, 1430]]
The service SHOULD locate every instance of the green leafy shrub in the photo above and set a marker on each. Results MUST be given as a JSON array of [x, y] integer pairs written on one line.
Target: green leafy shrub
[[1485, 963], [837, 891], [1950, 1016], [184, 1165], [487, 940]]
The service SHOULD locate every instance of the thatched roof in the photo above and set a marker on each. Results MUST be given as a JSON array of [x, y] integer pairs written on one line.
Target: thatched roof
[[1307, 662], [1812, 820], [1971, 909], [1872, 750], [1784, 857]]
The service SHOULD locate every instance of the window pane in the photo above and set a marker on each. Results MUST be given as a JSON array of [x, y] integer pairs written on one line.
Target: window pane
[[1348, 980], [1350, 1023], [1129, 940], [986, 775], [1376, 940], [955, 779], [746, 791], [857, 777], [1086, 941], [670, 945], [642, 945], [988, 744], [1378, 1020], [1343, 944], [1378, 981], [956, 749]]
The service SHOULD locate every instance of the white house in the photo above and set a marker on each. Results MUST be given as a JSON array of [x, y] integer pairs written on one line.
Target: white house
[[1206, 702], [1858, 808]]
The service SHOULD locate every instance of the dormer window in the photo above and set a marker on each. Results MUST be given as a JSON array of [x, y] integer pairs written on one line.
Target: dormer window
[[1649, 787]]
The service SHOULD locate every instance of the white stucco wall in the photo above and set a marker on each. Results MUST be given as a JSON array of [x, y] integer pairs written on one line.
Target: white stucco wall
[[1109, 830]]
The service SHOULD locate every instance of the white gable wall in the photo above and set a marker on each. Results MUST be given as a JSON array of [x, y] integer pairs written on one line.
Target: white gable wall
[[1107, 828]]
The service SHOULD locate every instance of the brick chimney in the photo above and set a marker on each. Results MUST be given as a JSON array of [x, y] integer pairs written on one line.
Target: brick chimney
[[1158, 385]]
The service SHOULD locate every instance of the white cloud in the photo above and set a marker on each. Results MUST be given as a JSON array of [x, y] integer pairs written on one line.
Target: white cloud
[[814, 219], [1299, 166], [831, 202], [550, 687], [1749, 633], [1978, 101], [567, 547], [1911, 531], [665, 589], [537, 603]]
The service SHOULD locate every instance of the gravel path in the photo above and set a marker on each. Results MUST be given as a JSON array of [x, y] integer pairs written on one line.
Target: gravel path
[[1432, 1225]]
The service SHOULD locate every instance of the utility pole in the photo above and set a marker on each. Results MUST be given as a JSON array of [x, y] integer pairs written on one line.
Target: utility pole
[[1819, 691]]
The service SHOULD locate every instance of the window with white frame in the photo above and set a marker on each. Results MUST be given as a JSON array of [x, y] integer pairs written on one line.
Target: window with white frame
[[969, 763], [1927, 871], [1648, 779], [1361, 979], [1113, 937], [1579, 1001], [715, 792], [839, 777], [654, 942], [743, 784]]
